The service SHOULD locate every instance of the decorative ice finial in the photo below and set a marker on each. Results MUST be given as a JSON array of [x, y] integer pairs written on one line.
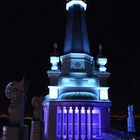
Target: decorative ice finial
[[54, 59], [15, 91], [12, 88], [101, 60], [37, 102], [100, 51], [55, 46]]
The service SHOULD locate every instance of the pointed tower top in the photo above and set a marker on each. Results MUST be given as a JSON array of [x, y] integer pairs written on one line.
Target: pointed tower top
[[76, 2]]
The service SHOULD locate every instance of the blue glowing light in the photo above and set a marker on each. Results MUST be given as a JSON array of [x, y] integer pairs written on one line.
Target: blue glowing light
[[54, 61], [59, 126], [102, 68], [76, 2], [45, 121], [102, 62], [104, 93], [96, 122], [67, 117], [53, 92], [64, 123]]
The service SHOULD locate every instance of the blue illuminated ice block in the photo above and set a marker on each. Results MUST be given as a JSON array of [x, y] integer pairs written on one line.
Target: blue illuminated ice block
[[130, 120]]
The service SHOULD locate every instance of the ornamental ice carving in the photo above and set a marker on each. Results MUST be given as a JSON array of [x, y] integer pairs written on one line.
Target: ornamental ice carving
[[15, 91]]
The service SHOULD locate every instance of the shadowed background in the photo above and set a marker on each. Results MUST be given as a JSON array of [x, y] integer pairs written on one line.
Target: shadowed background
[[31, 28]]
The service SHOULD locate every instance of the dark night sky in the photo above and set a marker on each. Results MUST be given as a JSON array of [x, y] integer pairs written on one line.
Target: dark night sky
[[31, 28]]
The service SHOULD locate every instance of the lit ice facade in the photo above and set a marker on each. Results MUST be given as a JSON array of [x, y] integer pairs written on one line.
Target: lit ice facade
[[77, 106]]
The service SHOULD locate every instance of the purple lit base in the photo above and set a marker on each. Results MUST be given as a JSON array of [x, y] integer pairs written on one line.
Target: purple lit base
[[76, 120]]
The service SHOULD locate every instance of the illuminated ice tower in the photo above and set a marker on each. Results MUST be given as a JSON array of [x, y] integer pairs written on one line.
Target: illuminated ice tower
[[77, 107]]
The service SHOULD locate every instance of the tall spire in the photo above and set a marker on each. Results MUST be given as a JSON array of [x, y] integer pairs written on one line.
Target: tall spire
[[76, 39]]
